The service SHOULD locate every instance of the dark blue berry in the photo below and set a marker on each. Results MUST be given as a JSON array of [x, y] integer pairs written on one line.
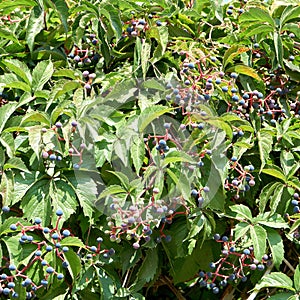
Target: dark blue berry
[[59, 212], [5, 209]]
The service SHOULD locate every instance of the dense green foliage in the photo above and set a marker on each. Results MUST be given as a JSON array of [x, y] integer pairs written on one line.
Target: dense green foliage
[[149, 150]]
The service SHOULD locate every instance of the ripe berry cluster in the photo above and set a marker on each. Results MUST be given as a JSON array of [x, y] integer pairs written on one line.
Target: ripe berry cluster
[[47, 241], [241, 179], [138, 221], [137, 27], [204, 81], [234, 265]]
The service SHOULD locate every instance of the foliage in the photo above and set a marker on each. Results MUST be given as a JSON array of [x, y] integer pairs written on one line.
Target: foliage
[[149, 149]]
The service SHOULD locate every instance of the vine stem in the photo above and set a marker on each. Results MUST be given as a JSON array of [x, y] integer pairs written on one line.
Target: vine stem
[[289, 265]]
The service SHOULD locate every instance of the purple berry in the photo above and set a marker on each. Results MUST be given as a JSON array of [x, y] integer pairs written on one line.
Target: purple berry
[[85, 73], [136, 245]]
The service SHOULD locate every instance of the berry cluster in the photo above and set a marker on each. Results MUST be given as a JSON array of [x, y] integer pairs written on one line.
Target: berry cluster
[[52, 155], [137, 222], [137, 27], [234, 265], [241, 179], [48, 242], [204, 81], [295, 203]]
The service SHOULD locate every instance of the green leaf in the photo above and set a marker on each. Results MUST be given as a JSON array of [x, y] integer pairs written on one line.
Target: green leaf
[[271, 220], [7, 140], [107, 286], [7, 34], [240, 230], [276, 197], [23, 182], [5, 112], [105, 50], [6, 188], [63, 11], [297, 278], [161, 35], [150, 114], [278, 48], [265, 141], [41, 74], [18, 85], [275, 280], [266, 193], [243, 212], [283, 296], [243, 69], [137, 152], [86, 189], [145, 55], [177, 156], [34, 138], [36, 202], [15, 163], [274, 171], [231, 53], [256, 15], [257, 29], [16, 3], [276, 245], [113, 15], [287, 162], [72, 241], [112, 190], [148, 268], [18, 254], [290, 13], [35, 25], [19, 68], [36, 116], [196, 226], [258, 236], [216, 122], [63, 196], [74, 263]]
